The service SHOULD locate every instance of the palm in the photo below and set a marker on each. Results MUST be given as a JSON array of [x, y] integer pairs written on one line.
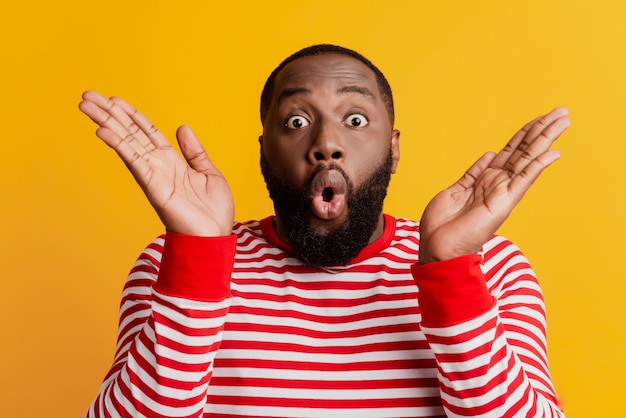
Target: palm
[[460, 219], [190, 196]]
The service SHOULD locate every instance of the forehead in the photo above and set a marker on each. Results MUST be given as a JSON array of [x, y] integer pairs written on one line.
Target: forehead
[[325, 69]]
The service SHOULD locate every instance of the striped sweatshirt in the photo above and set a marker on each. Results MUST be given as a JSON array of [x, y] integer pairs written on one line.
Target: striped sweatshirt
[[238, 327]]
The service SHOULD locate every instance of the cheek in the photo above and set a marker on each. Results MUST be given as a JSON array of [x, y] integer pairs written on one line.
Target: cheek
[[287, 159], [366, 156]]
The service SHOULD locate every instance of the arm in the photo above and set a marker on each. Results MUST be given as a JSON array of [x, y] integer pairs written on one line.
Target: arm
[[173, 307], [172, 313], [489, 340], [484, 319]]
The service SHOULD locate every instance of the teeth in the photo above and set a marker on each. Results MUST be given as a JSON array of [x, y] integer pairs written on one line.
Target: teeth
[[327, 194]]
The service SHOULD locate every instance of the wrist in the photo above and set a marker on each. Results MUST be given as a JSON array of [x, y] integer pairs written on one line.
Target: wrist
[[428, 254], [196, 267], [199, 228]]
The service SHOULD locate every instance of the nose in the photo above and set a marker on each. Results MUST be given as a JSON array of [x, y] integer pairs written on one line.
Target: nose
[[326, 144]]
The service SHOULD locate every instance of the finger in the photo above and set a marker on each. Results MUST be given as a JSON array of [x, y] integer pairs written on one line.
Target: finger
[[193, 151], [96, 113], [99, 116], [89, 107], [473, 173], [155, 136], [537, 146], [125, 119], [525, 135], [522, 181], [110, 115], [512, 145], [137, 163]]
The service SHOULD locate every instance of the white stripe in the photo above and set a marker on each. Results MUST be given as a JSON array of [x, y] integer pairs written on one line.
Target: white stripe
[[125, 403], [179, 319], [152, 253], [268, 411], [169, 353], [334, 376], [320, 394], [162, 390], [349, 294], [478, 401], [478, 381], [127, 318], [402, 253], [330, 311], [462, 328], [255, 249], [332, 358], [192, 322], [322, 341], [107, 404], [288, 321], [538, 333], [475, 362]]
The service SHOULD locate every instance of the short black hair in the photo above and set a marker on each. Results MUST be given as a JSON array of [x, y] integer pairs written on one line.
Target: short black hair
[[383, 85]]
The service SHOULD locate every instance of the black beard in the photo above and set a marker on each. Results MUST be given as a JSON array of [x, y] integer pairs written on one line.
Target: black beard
[[342, 244]]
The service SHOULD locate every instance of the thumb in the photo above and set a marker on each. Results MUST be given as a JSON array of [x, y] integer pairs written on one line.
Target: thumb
[[193, 151]]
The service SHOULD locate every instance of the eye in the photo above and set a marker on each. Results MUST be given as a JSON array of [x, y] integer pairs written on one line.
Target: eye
[[356, 120], [297, 122]]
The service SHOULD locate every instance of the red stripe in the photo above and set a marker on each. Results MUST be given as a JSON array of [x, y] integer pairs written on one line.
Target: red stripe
[[312, 403], [325, 303], [338, 319], [325, 384], [416, 364]]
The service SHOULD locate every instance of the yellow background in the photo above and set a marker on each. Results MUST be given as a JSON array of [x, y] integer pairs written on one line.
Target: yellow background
[[466, 75]]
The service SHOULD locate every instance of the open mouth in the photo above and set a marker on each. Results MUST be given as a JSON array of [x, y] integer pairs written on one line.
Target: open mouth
[[327, 194]]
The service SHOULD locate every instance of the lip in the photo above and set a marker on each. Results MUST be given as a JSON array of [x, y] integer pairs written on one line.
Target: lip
[[328, 194]]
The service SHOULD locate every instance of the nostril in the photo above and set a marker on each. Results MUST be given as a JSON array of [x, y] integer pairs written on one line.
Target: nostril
[[318, 156], [336, 155]]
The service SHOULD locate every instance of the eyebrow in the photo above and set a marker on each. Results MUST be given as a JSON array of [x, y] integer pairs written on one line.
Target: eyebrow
[[357, 89], [288, 92]]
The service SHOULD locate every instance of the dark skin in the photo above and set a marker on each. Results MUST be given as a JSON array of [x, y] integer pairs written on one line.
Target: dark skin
[[327, 110], [192, 197]]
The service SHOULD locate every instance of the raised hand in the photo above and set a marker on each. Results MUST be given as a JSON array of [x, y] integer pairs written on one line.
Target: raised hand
[[460, 219], [191, 197]]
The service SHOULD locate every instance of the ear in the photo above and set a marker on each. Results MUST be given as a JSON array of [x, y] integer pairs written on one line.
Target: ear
[[395, 150], [261, 143]]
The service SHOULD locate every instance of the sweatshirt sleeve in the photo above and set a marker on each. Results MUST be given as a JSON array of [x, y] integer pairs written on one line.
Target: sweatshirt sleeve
[[172, 314], [484, 319]]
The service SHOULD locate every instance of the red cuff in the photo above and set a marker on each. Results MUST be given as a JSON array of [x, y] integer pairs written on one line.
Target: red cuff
[[452, 291], [196, 267]]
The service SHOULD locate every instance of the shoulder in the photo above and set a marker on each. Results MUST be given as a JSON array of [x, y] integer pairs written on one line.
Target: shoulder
[[248, 229], [400, 239], [151, 255], [404, 224]]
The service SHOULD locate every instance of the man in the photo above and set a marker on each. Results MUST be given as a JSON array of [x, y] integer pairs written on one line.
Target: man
[[330, 307]]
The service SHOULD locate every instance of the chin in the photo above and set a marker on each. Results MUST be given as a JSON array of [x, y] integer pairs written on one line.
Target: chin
[[324, 226]]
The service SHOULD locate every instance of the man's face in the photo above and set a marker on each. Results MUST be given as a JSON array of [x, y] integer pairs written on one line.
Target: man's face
[[327, 135]]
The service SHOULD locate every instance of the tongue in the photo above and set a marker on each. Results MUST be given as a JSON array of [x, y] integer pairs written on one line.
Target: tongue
[[327, 191]]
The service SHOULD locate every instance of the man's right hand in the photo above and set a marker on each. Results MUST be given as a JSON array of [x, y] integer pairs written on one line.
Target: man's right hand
[[191, 197]]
